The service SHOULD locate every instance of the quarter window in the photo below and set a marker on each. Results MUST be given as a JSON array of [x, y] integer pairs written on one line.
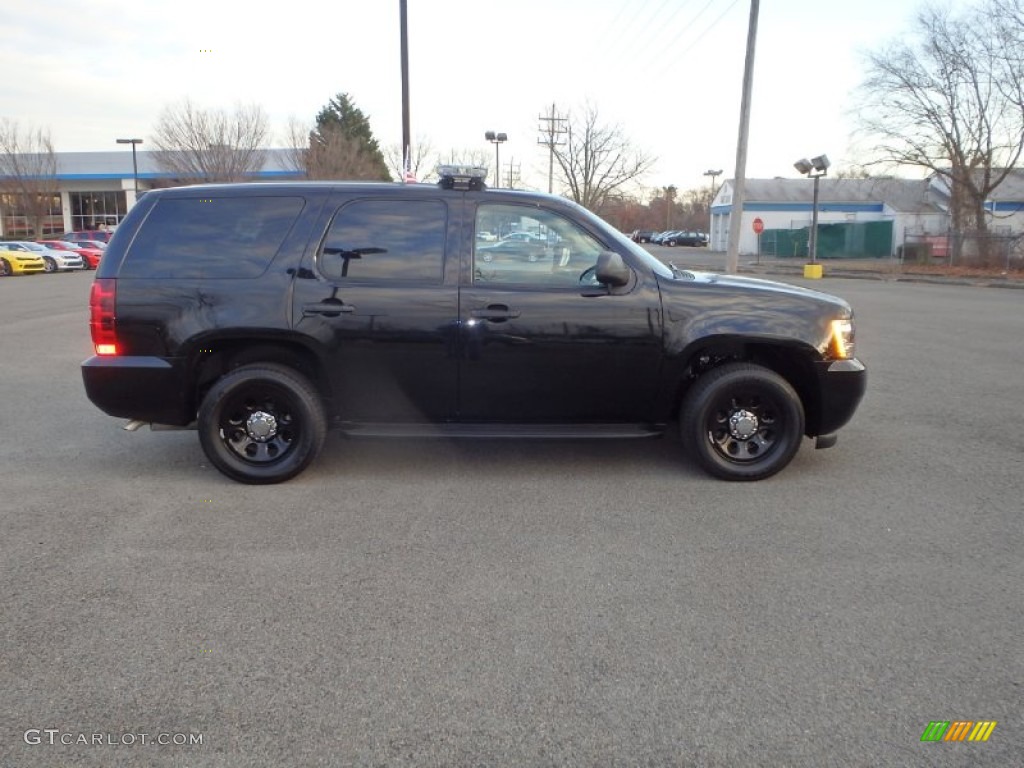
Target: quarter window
[[394, 240], [211, 237]]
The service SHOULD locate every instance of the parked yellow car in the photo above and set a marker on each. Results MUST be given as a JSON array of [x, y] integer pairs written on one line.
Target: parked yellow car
[[20, 262]]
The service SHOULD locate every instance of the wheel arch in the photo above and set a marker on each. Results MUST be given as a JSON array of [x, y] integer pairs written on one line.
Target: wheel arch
[[793, 362], [212, 358]]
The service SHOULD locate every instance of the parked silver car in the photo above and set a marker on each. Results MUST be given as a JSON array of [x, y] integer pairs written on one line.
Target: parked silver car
[[55, 260]]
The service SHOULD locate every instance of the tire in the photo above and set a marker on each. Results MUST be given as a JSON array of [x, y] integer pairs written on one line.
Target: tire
[[671, 243], [51, 265], [742, 422], [262, 423], [5, 268]]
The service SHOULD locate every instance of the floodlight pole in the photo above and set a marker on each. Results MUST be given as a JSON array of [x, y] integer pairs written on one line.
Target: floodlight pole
[[712, 174], [135, 163], [496, 139], [814, 220], [808, 168]]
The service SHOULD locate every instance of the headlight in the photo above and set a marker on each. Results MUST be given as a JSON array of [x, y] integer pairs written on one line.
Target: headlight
[[841, 345]]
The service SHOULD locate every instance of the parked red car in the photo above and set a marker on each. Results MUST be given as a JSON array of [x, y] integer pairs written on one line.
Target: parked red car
[[90, 256], [77, 237]]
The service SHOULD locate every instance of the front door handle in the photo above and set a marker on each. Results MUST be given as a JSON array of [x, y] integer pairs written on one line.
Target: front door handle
[[494, 312], [330, 308]]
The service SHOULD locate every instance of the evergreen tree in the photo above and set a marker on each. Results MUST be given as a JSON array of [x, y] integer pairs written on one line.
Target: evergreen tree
[[342, 145]]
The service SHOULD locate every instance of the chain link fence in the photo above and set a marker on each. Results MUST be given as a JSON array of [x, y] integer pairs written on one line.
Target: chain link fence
[[1001, 250]]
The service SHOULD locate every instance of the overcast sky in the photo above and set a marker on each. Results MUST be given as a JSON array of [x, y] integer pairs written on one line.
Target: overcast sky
[[668, 72]]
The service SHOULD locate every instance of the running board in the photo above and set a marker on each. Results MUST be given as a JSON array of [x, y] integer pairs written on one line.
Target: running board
[[522, 431]]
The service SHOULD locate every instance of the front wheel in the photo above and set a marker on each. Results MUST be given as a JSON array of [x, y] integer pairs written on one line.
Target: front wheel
[[262, 423], [5, 268], [51, 265], [742, 422]]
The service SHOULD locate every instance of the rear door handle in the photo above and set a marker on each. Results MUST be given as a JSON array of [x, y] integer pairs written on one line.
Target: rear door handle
[[496, 312]]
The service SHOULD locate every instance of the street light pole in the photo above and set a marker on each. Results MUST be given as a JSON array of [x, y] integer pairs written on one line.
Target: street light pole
[[135, 163], [496, 139], [711, 217], [712, 174], [814, 221], [814, 168]]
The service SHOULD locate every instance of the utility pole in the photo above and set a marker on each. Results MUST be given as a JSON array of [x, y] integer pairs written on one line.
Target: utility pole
[[513, 181], [406, 133], [732, 257], [552, 130]]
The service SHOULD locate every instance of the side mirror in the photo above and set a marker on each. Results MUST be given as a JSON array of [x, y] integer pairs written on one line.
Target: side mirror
[[612, 270]]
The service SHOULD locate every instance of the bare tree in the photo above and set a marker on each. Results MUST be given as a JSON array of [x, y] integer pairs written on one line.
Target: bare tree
[[28, 175], [296, 145], [210, 145], [477, 158], [423, 162], [596, 160], [950, 100]]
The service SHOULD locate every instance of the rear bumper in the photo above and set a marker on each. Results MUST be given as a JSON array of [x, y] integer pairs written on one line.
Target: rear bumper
[[150, 389], [841, 386]]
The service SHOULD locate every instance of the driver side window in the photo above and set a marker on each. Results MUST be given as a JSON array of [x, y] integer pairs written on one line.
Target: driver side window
[[531, 247]]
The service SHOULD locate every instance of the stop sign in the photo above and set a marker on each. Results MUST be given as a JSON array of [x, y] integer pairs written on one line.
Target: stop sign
[[758, 226]]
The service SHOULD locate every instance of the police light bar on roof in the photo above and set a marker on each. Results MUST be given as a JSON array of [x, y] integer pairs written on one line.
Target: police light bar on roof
[[461, 176]]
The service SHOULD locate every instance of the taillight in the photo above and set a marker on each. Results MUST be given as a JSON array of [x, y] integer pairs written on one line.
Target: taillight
[[102, 321]]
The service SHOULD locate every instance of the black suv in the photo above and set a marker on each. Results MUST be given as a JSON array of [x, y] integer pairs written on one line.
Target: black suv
[[265, 313]]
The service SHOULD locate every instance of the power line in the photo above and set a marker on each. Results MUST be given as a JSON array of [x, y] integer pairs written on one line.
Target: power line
[[712, 26], [665, 52], [622, 36]]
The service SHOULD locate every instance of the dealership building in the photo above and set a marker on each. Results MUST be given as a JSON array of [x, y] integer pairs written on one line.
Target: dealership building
[[94, 190]]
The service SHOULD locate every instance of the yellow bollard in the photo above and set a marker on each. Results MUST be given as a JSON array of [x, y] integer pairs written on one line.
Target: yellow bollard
[[812, 271]]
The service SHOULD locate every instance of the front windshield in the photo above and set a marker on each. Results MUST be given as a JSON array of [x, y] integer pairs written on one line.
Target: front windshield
[[639, 252], [645, 256]]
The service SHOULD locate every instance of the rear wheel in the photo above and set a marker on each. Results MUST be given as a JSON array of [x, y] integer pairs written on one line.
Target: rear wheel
[[262, 423], [742, 422], [51, 265]]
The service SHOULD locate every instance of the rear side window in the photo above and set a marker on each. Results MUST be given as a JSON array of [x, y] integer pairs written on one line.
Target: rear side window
[[393, 240], [211, 237]]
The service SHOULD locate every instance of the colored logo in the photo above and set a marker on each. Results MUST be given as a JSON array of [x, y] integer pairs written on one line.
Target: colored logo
[[958, 730]]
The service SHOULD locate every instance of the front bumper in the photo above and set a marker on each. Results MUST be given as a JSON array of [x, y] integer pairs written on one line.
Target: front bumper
[[841, 386]]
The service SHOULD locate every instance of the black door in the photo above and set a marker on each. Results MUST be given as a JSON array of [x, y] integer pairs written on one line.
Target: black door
[[381, 298], [542, 343]]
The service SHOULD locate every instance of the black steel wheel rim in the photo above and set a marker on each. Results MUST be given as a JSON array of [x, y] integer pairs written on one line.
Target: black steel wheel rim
[[260, 424], [745, 427]]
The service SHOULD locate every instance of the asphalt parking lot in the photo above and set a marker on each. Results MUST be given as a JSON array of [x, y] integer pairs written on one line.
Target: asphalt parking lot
[[520, 603]]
